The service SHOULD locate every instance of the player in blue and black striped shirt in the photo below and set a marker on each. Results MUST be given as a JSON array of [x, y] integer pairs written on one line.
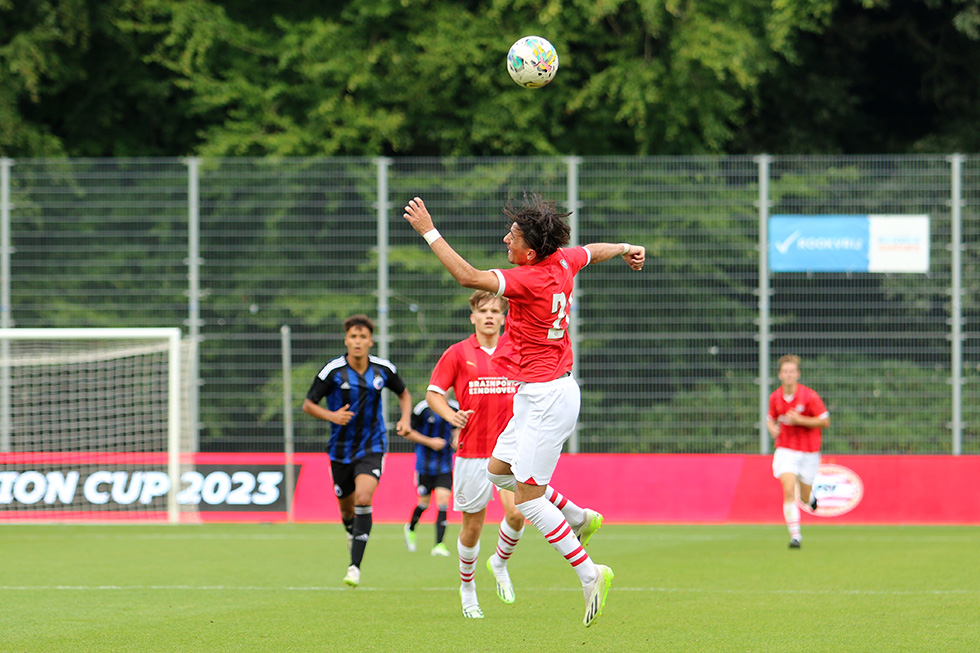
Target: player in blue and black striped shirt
[[352, 385], [435, 441]]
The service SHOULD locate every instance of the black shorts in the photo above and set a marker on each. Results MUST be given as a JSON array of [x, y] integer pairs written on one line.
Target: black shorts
[[425, 483], [343, 474]]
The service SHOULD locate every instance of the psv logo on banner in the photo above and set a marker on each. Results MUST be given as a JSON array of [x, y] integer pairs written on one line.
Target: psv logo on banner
[[838, 489]]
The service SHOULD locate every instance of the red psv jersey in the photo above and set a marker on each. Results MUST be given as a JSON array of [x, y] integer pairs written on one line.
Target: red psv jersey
[[467, 369], [806, 402], [535, 346]]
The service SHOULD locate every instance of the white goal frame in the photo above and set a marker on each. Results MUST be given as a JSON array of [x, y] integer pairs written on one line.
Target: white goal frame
[[172, 335]]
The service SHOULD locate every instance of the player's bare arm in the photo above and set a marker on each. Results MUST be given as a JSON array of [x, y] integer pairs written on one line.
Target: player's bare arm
[[772, 426], [440, 406], [465, 274], [634, 255], [404, 425], [436, 444], [796, 419], [341, 416]]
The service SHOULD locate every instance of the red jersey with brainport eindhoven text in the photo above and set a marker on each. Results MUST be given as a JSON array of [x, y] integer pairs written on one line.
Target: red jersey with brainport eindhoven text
[[807, 403], [467, 369], [535, 346]]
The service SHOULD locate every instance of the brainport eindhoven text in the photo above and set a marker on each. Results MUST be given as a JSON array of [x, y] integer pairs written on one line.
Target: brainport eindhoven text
[[492, 386]]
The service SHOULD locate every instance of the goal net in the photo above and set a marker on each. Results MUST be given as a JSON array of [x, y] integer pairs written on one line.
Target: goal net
[[92, 423]]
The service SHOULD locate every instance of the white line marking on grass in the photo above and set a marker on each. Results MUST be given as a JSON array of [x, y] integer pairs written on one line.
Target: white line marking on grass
[[797, 591], [205, 588], [314, 588], [285, 537]]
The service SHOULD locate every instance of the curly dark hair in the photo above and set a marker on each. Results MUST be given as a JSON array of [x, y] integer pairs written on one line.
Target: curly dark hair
[[544, 228], [360, 320]]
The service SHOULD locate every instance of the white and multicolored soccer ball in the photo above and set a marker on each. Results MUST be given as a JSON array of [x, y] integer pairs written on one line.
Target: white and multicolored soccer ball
[[532, 62]]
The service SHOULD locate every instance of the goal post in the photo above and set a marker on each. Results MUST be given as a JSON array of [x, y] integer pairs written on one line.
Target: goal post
[[92, 426]]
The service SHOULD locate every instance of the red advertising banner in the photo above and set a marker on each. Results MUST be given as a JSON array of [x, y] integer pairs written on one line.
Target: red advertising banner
[[641, 488]]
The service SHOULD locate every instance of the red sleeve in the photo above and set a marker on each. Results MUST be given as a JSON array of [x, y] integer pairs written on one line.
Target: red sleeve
[[515, 278], [577, 257], [515, 287], [816, 405], [445, 371], [772, 407]]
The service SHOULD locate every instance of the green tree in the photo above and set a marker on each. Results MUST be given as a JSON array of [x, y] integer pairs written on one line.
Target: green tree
[[75, 82], [885, 77], [370, 77], [384, 77], [390, 78]]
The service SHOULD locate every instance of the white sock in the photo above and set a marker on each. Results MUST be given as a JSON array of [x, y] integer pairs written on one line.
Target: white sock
[[467, 570], [574, 514], [549, 520], [507, 539], [791, 513]]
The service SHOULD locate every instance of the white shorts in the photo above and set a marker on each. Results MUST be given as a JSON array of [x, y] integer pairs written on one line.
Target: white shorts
[[544, 418], [472, 489], [802, 463]]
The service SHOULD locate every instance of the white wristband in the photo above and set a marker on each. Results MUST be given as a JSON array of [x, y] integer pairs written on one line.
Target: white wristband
[[432, 235], [626, 248]]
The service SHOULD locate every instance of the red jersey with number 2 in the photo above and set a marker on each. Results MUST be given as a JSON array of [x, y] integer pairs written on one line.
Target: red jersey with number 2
[[807, 403], [535, 346]]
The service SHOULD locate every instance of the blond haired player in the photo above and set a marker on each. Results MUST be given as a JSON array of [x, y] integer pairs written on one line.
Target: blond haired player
[[486, 400], [796, 415]]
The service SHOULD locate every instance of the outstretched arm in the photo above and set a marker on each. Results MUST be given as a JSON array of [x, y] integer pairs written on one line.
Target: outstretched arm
[[468, 276], [634, 255]]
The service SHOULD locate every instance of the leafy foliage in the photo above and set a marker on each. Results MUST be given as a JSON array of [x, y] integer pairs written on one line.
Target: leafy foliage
[[385, 77]]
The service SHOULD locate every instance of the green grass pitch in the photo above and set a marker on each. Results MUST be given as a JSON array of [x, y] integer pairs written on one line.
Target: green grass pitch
[[677, 588]]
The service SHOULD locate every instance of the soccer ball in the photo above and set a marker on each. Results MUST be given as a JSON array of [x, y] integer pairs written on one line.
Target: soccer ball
[[532, 62]]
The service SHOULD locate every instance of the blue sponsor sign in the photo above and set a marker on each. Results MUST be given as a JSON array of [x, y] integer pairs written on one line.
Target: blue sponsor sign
[[818, 243], [849, 243]]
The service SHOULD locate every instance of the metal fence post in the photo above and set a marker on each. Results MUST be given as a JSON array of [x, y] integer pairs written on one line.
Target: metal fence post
[[573, 204], [5, 321], [763, 320], [287, 417], [956, 300], [194, 321], [382, 205]]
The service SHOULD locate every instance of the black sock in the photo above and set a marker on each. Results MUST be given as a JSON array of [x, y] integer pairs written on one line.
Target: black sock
[[416, 515], [441, 524], [348, 523], [362, 532]]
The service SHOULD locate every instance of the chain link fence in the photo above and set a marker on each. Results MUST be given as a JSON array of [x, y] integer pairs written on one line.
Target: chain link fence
[[677, 358]]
